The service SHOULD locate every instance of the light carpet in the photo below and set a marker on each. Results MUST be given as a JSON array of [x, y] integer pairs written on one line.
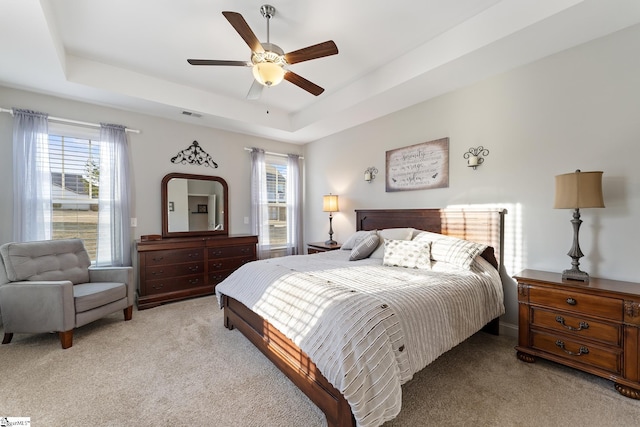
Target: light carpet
[[176, 365]]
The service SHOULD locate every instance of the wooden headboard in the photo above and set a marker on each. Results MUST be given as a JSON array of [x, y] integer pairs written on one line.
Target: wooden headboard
[[484, 226]]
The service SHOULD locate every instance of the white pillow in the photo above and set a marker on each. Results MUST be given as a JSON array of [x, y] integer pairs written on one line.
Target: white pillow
[[364, 247], [355, 238], [391, 234], [450, 249], [407, 253]]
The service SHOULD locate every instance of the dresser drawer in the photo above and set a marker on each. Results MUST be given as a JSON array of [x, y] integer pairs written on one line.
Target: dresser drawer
[[232, 251], [161, 286], [177, 256], [609, 308], [218, 276], [228, 263], [174, 270], [584, 352], [578, 326]]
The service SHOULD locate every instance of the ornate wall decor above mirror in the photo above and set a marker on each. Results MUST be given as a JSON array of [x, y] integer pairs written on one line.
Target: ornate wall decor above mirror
[[194, 155], [194, 205]]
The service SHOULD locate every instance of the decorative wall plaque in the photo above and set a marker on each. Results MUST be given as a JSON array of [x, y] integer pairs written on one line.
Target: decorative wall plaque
[[194, 155], [418, 167]]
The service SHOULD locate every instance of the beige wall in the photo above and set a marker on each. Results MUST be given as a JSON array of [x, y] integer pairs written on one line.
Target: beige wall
[[151, 153], [579, 109]]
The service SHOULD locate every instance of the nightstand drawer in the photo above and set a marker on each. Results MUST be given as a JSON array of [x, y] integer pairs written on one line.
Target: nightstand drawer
[[609, 308], [578, 326], [579, 352]]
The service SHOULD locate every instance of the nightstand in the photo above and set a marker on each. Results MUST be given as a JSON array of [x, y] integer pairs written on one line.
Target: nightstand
[[315, 247], [593, 326]]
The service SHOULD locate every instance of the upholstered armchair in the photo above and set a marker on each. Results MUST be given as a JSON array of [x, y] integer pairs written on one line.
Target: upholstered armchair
[[50, 286]]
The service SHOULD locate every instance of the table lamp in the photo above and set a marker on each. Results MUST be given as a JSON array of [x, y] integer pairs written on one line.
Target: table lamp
[[575, 191], [330, 204]]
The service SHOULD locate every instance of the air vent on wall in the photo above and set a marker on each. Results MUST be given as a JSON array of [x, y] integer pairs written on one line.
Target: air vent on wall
[[189, 113]]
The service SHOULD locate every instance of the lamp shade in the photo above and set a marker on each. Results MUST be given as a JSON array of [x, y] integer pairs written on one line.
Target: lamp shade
[[268, 73], [579, 190], [330, 203]]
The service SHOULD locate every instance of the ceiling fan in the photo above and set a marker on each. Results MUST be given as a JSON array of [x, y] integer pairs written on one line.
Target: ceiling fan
[[268, 60]]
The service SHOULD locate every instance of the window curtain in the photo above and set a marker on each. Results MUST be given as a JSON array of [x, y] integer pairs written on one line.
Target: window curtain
[[32, 199], [294, 209], [259, 202], [114, 242]]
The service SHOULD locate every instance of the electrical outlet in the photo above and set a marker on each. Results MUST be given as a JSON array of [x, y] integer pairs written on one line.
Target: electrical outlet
[[246, 220], [134, 222]]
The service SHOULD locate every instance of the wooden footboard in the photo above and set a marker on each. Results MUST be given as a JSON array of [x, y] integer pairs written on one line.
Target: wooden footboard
[[292, 361]]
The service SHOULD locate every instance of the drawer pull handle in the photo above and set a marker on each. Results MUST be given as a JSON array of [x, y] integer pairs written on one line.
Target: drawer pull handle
[[217, 253], [155, 273], [160, 258], [581, 351], [192, 255], [581, 325], [193, 281], [244, 250], [158, 286], [571, 301], [194, 268]]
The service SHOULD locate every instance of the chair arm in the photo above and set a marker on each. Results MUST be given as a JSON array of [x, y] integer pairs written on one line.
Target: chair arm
[[116, 275], [33, 306]]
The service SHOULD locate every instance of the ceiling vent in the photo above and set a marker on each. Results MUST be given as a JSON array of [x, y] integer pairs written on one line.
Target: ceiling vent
[[189, 113]]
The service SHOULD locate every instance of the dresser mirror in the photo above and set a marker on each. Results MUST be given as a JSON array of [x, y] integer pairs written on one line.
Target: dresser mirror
[[194, 205]]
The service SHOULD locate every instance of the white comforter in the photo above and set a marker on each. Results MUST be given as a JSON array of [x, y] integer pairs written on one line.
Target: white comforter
[[368, 328]]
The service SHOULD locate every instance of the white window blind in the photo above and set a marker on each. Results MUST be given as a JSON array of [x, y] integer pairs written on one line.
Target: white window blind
[[75, 166], [276, 169]]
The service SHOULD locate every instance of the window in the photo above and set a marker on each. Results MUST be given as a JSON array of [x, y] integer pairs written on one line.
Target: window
[[276, 170], [75, 173], [276, 212]]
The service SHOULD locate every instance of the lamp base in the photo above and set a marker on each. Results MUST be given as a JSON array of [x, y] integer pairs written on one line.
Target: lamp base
[[330, 242], [575, 274]]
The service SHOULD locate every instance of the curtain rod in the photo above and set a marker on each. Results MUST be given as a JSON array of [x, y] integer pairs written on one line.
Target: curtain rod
[[75, 122], [271, 153]]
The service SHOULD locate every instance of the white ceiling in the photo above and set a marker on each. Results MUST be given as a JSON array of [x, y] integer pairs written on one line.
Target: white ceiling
[[131, 54]]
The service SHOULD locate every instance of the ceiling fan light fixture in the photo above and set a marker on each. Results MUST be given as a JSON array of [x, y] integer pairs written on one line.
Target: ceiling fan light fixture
[[268, 68], [268, 73]]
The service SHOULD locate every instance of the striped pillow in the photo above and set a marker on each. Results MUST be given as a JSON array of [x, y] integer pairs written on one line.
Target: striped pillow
[[356, 238], [449, 249], [364, 247], [407, 253]]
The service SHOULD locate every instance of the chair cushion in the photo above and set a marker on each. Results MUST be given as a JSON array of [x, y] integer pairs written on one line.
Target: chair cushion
[[63, 259], [88, 296]]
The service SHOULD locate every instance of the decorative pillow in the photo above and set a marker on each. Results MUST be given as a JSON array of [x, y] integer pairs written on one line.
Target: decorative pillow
[[450, 249], [355, 238], [407, 253], [364, 247], [391, 234]]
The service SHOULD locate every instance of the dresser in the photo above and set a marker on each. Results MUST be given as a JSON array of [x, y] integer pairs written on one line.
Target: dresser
[[172, 269], [592, 326]]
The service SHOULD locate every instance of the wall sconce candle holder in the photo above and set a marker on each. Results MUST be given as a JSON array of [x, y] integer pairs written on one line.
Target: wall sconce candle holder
[[370, 174], [475, 156]]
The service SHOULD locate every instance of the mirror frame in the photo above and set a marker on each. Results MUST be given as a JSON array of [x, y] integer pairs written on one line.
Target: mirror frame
[[165, 206]]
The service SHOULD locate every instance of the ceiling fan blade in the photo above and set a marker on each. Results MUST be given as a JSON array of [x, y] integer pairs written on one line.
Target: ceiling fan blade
[[255, 90], [303, 83], [237, 21], [218, 62], [319, 50]]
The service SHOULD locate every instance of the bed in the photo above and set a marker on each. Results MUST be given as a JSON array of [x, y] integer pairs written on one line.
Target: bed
[[382, 319]]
